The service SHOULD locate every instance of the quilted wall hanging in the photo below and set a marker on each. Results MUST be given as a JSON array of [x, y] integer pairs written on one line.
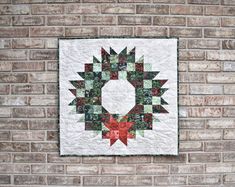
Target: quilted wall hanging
[[118, 96]]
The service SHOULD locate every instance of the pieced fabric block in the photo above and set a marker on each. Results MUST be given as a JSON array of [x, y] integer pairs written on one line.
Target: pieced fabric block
[[118, 96]]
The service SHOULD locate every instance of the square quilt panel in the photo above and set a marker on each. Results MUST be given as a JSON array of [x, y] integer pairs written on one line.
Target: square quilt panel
[[118, 96]]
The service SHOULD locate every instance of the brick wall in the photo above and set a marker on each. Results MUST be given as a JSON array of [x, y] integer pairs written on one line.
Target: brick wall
[[29, 97]]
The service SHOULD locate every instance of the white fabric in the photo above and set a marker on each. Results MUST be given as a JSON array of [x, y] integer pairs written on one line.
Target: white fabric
[[74, 140]]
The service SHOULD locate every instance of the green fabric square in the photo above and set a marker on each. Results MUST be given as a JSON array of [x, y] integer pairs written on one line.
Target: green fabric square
[[80, 92], [114, 67], [97, 67], [122, 74], [89, 84], [130, 67], [105, 75], [156, 100], [113, 59], [147, 83], [97, 109], [147, 67], [148, 109]]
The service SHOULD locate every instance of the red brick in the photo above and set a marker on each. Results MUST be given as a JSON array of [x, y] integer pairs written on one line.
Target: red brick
[[186, 10], [82, 9], [63, 20], [186, 32], [228, 44], [63, 1], [5, 43], [29, 180], [206, 89], [52, 112], [4, 89], [191, 55], [46, 31], [228, 2], [229, 112], [14, 147], [220, 123], [28, 20], [47, 9], [152, 9], [13, 55], [28, 112], [152, 169], [5, 157], [51, 88], [5, 179], [99, 181], [81, 31], [229, 134], [133, 1], [191, 146], [164, 20], [203, 22], [192, 77], [99, 20], [29, 157], [117, 9], [27, 1], [63, 180], [191, 100], [151, 31], [14, 32], [221, 77], [47, 100], [14, 9], [181, 158], [170, 1], [27, 89], [219, 33], [187, 169], [5, 66], [98, 160], [205, 134], [134, 20], [41, 124], [82, 170], [170, 180], [13, 101], [28, 66], [27, 43], [42, 77], [52, 135], [4, 136], [135, 180], [203, 44], [43, 54], [204, 180], [204, 2], [204, 112], [116, 31], [219, 100], [228, 22], [55, 158], [44, 147], [5, 21], [28, 136], [117, 169], [204, 66], [13, 77], [134, 159], [10, 124], [219, 11]]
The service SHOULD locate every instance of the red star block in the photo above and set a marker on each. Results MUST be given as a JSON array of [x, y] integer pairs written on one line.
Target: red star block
[[118, 130]]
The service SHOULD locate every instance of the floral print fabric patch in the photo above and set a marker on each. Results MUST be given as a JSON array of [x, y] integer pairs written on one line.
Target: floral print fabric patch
[[118, 96]]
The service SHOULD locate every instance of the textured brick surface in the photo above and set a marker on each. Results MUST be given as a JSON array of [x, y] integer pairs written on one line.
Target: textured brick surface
[[29, 31]]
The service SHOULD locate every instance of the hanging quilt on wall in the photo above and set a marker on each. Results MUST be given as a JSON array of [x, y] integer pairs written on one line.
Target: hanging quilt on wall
[[118, 96]]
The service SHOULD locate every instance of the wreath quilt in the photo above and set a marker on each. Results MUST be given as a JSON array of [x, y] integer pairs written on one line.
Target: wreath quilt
[[118, 96]]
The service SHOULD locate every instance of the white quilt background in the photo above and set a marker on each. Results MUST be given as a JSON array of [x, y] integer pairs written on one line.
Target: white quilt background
[[162, 139]]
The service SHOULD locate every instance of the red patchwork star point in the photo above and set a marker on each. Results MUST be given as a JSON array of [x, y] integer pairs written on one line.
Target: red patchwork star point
[[118, 130]]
